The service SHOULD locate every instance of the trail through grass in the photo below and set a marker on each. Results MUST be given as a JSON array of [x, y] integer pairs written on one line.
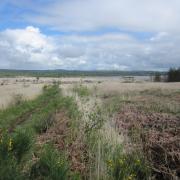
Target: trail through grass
[[20, 127]]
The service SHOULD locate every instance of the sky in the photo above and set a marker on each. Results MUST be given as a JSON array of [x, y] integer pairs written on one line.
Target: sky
[[90, 34]]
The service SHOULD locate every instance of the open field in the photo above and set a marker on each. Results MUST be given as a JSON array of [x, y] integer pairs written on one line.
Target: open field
[[89, 90], [89, 128], [9, 92], [30, 87]]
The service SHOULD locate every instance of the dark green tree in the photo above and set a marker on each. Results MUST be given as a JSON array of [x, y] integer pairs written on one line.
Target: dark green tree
[[174, 75]]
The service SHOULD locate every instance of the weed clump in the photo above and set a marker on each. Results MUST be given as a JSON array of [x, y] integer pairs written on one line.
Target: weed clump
[[21, 144], [51, 165], [96, 121], [43, 122], [128, 166], [12, 150], [81, 90]]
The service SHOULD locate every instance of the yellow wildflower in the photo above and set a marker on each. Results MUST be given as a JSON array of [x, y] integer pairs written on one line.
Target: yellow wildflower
[[138, 161], [131, 177], [10, 145], [121, 161], [60, 163], [110, 163]]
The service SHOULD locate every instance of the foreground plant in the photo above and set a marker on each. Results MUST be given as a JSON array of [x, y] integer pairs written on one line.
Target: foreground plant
[[128, 166], [51, 165], [12, 150], [81, 90]]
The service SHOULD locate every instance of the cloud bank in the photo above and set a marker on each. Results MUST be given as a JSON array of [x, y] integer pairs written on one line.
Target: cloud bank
[[29, 48], [90, 34], [86, 15]]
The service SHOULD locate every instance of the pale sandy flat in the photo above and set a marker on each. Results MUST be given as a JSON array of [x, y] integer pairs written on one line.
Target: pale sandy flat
[[119, 87], [8, 92], [30, 88]]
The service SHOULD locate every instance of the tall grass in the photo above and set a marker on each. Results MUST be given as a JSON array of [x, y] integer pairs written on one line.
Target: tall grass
[[51, 165], [20, 125], [13, 147], [129, 166], [81, 90]]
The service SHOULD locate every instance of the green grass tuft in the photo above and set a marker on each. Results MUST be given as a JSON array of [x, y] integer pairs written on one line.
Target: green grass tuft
[[51, 165]]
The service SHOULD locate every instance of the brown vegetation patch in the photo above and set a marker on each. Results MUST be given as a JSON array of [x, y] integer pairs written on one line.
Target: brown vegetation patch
[[59, 134], [159, 135]]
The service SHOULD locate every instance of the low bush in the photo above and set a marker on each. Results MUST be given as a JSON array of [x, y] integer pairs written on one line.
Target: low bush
[[51, 165], [21, 144], [81, 90], [12, 149], [15, 146], [95, 122], [128, 166], [43, 122], [9, 170]]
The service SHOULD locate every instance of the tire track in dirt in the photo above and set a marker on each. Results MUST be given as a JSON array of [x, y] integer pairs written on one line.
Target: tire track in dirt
[[23, 117], [27, 115]]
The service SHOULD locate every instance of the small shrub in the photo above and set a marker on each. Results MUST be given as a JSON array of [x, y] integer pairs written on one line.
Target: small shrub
[[45, 87], [5, 145], [21, 144], [9, 170], [43, 123], [96, 121], [11, 151], [128, 166], [81, 90], [51, 165], [17, 99]]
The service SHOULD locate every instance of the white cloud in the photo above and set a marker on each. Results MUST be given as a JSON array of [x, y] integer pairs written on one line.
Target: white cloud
[[26, 48], [79, 15], [29, 48]]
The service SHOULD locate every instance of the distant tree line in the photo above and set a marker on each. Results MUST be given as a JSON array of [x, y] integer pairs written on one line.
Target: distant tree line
[[71, 73], [173, 75]]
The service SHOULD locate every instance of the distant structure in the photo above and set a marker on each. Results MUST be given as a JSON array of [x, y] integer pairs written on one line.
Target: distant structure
[[128, 79]]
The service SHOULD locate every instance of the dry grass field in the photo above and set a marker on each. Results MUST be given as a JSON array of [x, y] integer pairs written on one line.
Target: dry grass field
[[10, 91], [89, 128]]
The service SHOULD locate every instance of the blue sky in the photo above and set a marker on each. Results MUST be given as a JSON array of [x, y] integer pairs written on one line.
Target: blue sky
[[90, 34], [12, 14]]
